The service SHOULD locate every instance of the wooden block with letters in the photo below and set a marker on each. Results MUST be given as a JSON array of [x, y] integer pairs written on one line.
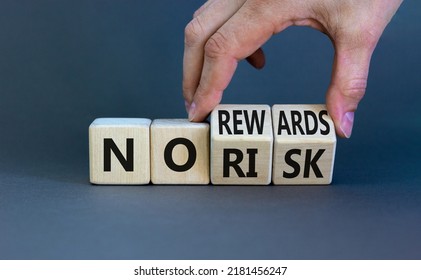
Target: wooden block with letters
[[119, 151], [241, 145], [179, 152], [304, 146]]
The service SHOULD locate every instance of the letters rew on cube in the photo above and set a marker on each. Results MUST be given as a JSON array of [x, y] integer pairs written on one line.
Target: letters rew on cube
[[305, 143], [241, 145]]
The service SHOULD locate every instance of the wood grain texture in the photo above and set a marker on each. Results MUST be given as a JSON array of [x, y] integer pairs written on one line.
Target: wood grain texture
[[179, 152], [119, 130], [304, 146], [241, 145]]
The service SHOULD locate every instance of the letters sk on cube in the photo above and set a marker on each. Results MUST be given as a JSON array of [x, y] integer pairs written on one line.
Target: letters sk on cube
[[241, 145], [304, 146], [119, 151], [179, 152]]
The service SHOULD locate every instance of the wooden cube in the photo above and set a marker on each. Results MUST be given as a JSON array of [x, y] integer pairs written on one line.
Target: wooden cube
[[119, 151], [304, 146], [241, 145], [179, 152]]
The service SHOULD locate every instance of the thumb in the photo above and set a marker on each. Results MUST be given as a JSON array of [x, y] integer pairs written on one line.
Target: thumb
[[348, 85]]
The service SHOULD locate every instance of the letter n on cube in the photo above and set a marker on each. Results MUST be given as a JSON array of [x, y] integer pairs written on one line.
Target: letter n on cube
[[119, 151]]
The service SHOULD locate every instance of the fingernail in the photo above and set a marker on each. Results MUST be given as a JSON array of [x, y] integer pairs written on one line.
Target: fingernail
[[187, 104], [347, 123], [192, 111]]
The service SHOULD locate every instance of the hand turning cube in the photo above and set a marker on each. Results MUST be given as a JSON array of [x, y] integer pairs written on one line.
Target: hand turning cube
[[243, 148]]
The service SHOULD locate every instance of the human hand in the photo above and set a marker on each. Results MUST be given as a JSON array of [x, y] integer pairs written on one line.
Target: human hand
[[223, 32]]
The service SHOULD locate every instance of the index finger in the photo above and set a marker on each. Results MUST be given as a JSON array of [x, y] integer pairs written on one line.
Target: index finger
[[206, 22], [243, 34]]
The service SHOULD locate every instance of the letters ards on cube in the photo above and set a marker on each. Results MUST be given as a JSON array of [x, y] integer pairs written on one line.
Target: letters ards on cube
[[304, 145]]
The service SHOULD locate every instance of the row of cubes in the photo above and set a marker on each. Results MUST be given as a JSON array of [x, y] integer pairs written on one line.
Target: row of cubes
[[247, 145]]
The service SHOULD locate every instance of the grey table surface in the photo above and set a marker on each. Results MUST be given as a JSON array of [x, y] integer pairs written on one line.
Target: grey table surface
[[65, 63]]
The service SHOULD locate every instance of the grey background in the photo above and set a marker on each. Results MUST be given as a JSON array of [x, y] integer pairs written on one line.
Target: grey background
[[65, 63]]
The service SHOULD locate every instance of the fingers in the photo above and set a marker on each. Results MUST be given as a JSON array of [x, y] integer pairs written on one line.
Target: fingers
[[355, 34], [240, 37], [348, 86], [206, 21], [203, 7]]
